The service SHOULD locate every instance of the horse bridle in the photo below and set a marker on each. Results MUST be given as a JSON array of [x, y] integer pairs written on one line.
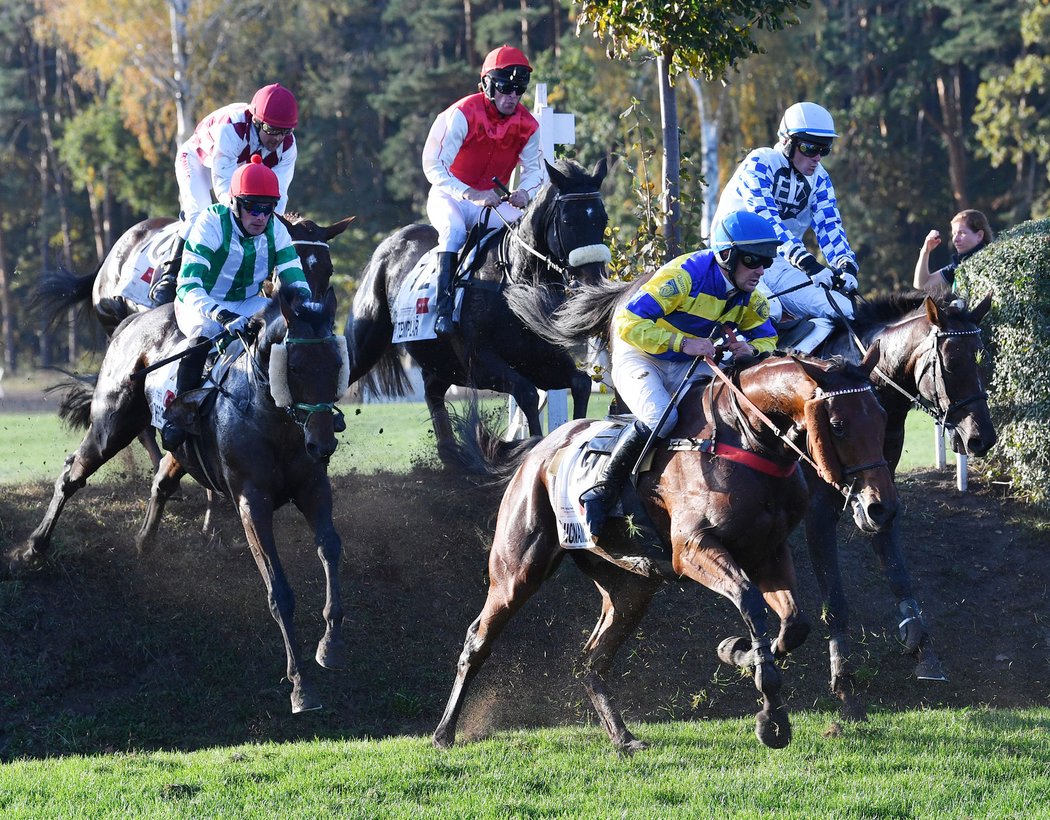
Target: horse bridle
[[554, 213], [302, 412]]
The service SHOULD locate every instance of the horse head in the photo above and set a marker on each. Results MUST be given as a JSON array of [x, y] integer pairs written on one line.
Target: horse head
[[311, 243], [845, 429], [308, 368], [567, 220], [948, 373]]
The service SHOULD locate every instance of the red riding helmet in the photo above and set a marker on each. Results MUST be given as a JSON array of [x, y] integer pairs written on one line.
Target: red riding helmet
[[275, 105], [253, 179], [504, 57]]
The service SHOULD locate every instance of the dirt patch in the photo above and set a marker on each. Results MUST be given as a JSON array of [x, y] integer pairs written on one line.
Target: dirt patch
[[105, 650]]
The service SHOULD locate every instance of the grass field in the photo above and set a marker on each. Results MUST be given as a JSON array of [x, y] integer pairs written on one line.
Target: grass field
[[378, 437], [922, 764]]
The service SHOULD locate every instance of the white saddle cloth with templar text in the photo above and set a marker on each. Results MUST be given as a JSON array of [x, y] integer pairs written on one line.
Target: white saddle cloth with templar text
[[415, 307]]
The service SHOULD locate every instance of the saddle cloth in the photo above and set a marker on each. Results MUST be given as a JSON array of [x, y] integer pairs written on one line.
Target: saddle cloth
[[573, 470], [136, 274], [161, 384], [414, 312]]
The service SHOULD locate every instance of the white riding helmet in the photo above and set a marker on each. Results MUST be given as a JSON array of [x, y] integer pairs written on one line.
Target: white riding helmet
[[809, 121]]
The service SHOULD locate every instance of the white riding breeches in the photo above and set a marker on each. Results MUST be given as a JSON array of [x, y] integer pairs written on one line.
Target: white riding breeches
[[453, 217], [646, 383], [194, 180], [193, 324]]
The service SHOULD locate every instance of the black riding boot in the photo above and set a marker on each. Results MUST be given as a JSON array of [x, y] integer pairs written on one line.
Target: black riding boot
[[191, 369], [446, 293], [601, 498], [162, 290]]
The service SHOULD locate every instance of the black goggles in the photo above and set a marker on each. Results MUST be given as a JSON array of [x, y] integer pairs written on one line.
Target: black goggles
[[274, 132], [256, 208], [509, 87], [754, 260], [812, 149]]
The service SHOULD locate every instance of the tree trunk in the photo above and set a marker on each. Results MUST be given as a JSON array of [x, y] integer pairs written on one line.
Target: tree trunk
[[672, 157], [949, 93], [184, 102], [709, 106], [7, 319]]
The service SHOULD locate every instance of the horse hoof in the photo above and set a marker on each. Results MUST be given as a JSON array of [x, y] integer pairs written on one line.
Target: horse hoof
[[929, 667], [304, 701], [443, 740], [21, 562], [733, 651], [631, 746], [332, 653], [773, 728]]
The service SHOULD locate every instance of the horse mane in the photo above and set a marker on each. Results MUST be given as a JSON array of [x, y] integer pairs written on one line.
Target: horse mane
[[587, 312]]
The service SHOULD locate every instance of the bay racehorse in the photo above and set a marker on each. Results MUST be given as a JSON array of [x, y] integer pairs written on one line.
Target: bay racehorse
[[266, 441], [929, 357], [558, 240], [726, 520]]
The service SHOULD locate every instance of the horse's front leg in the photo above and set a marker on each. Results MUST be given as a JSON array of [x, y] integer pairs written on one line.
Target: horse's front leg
[[625, 600], [580, 387], [822, 542], [700, 556], [256, 510], [779, 586], [165, 483], [315, 503], [913, 630], [489, 370]]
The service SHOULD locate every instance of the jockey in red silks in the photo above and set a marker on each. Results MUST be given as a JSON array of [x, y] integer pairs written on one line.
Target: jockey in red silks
[[222, 142], [484, 135]]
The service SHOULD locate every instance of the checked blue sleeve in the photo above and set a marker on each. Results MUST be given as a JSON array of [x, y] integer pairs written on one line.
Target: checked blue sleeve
[[827, 224]]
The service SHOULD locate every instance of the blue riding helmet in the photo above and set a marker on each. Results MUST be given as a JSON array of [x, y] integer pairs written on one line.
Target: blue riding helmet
[[742, 232]]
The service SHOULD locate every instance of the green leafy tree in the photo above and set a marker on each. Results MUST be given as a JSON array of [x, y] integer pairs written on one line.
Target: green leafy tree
[[701, 37]]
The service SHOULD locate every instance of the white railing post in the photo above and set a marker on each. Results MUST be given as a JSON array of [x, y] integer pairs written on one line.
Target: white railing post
[[555, 129]]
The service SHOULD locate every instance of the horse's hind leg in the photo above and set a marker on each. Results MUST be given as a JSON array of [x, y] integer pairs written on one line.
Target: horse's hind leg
[[625, 600], [524, 552], [165, 482], [97, 447], [434, 390]]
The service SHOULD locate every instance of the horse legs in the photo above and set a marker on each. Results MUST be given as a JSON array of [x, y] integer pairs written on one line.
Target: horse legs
[[316, 506], [434, 390], [524, 553], [97, 447], [256, 510], [488, 369], [625, 600], [165, 482], [822, 541], [912, 629], [580, 387], [710, 564]]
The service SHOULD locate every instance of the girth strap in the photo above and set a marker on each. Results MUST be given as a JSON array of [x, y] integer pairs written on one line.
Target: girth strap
[[736, 454]]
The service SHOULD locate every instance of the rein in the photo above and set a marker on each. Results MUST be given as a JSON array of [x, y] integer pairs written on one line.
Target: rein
[[301, 412], [559, 199]]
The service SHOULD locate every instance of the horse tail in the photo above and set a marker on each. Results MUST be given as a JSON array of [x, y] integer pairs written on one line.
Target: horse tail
[[587, 313], [58, 291], [479, 450], [75, 407], [374, 361]]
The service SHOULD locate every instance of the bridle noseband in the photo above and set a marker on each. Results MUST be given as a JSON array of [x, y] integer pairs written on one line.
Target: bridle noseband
[[936, 361], [301, 412]]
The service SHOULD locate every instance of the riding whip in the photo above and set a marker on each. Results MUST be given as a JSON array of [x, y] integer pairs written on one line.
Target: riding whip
[[141, 374]]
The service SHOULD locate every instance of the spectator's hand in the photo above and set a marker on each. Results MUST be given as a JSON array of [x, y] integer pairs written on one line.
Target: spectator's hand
[[232, 322], [932, 240], [825, 277]]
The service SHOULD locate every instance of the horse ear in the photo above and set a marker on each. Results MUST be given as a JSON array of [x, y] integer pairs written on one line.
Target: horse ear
[[601, 168], [933, 311], [337, 228], [290, 298], [982, 308], [871, 358], [557, 177]]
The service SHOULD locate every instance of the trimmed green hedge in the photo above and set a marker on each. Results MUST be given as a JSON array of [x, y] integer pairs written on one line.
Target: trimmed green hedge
[[1016, 268]]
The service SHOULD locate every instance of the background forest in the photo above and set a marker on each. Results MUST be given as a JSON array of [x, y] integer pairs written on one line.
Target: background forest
[[941, 104]]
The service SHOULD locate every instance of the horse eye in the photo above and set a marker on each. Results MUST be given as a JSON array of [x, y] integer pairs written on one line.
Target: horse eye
[[838, 428]]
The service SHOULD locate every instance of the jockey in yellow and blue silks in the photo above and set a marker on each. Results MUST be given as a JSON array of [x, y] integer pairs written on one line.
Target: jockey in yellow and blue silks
[[668, 323]]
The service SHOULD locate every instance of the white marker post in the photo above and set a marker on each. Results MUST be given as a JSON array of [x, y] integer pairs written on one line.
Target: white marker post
[[555, 129]]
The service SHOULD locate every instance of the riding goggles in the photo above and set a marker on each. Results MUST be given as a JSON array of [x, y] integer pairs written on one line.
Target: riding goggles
[[256, 208], [507, 87], [754, 260], [274, 132], [813, 149]]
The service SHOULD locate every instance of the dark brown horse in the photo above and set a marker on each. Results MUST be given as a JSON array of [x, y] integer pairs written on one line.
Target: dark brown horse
[[929, 356], [266, 441], [555, 244], [726, 524]]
